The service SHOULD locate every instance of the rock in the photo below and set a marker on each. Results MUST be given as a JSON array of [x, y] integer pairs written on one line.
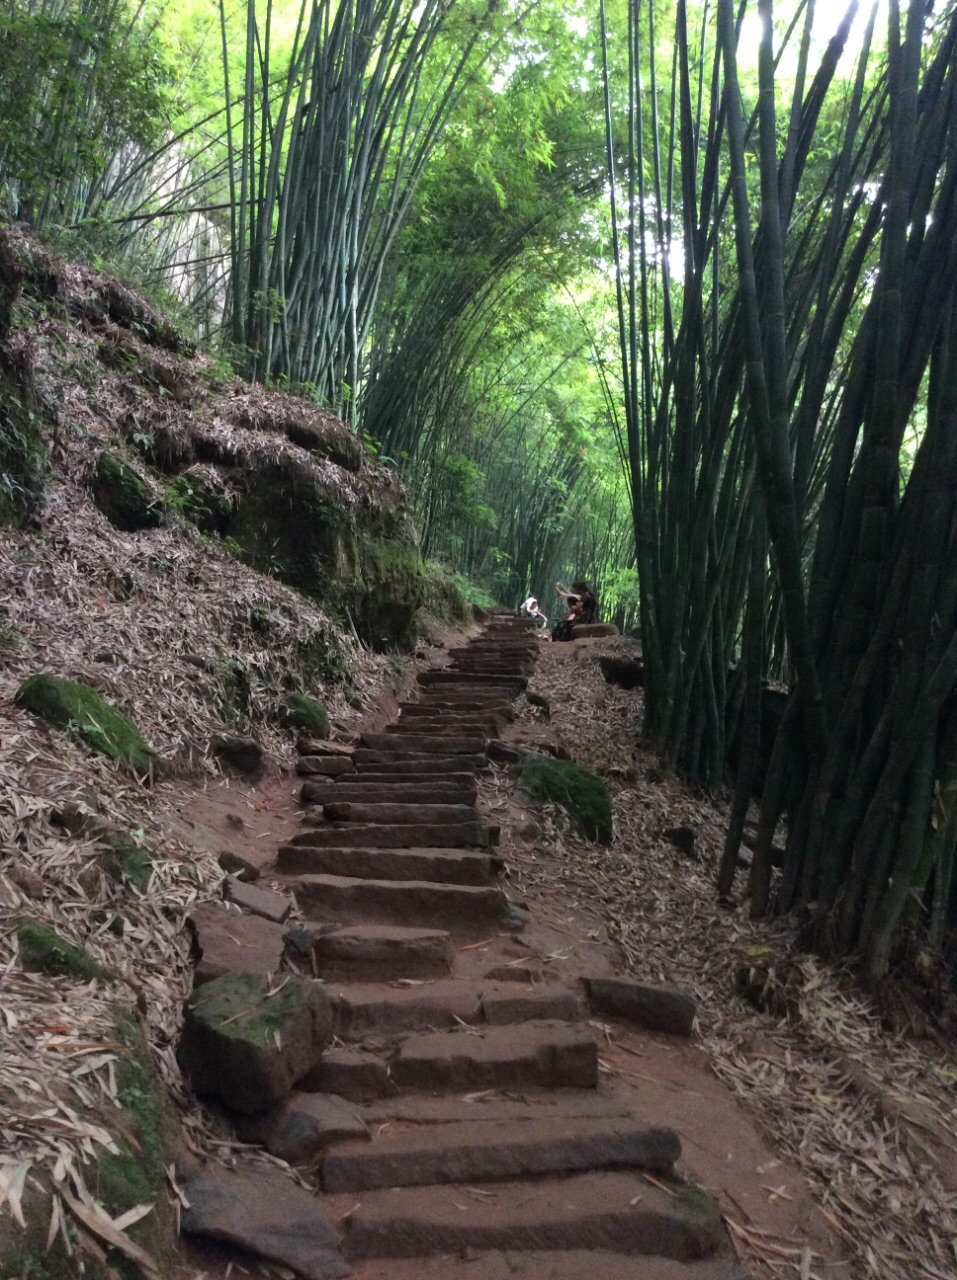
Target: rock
[[228, 942], [683, 838], [43, 950], [316, 747], [327, 766], [123, 496], [655, 1008], [539, 700], [515, 918], [268, 1215], [626, 673], [238, 867], [299, 712], [258, 902], [243, 754], [300, 1128], [247, 1039], [80, 709], [593, 630], [581, 794], [504, 752]]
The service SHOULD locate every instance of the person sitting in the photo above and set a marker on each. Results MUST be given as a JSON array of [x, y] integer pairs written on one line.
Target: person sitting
[[589, 601], [563, 630], [530, 609]]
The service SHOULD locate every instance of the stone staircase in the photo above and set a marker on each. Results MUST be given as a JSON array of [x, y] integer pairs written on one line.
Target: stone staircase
[[477, 1124]]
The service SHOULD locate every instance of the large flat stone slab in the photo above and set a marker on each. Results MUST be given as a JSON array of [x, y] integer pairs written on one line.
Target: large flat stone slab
[[403, 814], [554, 1105], [465, 908], [267, 1214], [431, 792], [423, 744], [620, 1212], [229, 942], [440, 727], [372, 953], [416, 762], [358, 835], [543, 1056], [445, 866], [258, 902], [654, 1008], [326, 766], [362, 1010], [469, 1152]]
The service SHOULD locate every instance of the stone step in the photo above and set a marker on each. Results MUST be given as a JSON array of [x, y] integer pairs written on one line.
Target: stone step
[[375, 953], [489, 1106], [368, 1009], [542, 1055], [425, 835], [617, 1211], [543, 1264], [402, 814], [415, 762], [468, 1152], [435, 792], [444, 866], [493, 713], [425, 744], [326, 766], [468, 909], [371, 777], [482, 666], [504, 648], [464, 704], [483, 727], [472, 680]]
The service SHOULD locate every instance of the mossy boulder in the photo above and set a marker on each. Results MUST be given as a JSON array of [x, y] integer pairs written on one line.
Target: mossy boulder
[[305, 715], [42, 949], [202, 500], [581, 794], [80, 709], [247, 1038], [123, 496]]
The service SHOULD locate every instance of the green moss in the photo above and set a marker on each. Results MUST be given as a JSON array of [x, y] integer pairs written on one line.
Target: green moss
[[304, 714], [42, 949], [124, 497], [583, 796], [69, 705], [123, 860], [234, 1006], [201, 501]]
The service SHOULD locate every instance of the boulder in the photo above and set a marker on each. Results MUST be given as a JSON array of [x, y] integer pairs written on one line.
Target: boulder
[[242, 754], [626, 673], [299, 712], [69, 705], [248, 1038], [266, 1214], [301, 1128], [582, 795], [123, 496], [654, 1008], [237, 866]]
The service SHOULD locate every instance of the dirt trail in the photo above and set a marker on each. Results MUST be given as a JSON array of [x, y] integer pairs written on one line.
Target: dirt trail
[[658, 1078]]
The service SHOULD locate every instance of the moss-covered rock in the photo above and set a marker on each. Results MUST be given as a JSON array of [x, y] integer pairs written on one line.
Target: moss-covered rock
[[304, 714], [581, 794], [42, 949], [123, 496], [80, 709], [247, 1040], [123, 860], [202, 500]]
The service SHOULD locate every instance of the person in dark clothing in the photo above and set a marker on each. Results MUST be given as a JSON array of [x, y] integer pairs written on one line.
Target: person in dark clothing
[[563, 630], [589, 601]]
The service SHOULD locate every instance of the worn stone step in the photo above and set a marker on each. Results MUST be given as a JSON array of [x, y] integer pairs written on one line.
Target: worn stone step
[[403, 814], [488, 683], [435, 792], [489, 1106], [325, 766], [468, 1152], [543, 1264], [459, 704], [483, 727], [541, 1055], [444, 866], [517, 648], [374, 953], [617, 1211], [468, 909], [376, 1008], [424, 744], [426, 835], [370, 777], [355, 1074], [415, 762]]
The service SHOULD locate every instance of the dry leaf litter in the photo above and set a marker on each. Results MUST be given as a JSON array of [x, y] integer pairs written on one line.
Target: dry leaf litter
[[869, 1115], [154, 621]]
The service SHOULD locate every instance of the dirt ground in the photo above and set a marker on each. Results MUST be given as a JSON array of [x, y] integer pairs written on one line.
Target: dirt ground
[[776, 1223]]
